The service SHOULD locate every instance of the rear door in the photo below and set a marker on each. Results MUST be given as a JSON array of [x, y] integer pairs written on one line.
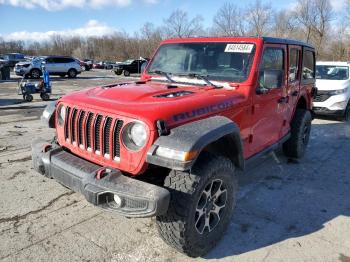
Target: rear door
[[50, 64], [61, 63], [294, 70], [269, 106], [308, 71]]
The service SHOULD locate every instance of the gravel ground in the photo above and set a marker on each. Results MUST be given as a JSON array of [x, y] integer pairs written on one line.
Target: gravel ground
[[286, 211]]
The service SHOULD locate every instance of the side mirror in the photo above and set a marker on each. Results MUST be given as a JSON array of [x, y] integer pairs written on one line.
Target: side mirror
[[269, 79]]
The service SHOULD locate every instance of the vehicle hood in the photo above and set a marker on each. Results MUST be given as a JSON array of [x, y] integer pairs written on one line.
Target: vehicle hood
[[23, 63], [151, 101], [328, 84]]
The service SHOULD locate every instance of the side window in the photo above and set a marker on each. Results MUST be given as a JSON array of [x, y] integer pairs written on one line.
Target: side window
[[272, 68], [69, 60], [61, 60], [308, 65], [49, 60], [294, 56]]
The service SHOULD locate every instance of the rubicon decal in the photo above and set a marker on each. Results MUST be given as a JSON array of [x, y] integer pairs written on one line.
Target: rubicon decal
[[203, 111]]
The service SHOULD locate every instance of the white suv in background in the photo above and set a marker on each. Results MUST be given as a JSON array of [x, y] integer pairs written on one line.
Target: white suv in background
[[333, 89], [55, 65]]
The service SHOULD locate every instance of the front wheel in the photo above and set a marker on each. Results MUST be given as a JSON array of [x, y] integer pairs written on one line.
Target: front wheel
[[300, 133], [126, 73], [118, 72], [35, 73], [201, 205], [346, 116]]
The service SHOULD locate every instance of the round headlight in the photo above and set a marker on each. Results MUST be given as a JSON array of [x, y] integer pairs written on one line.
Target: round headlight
[[134, 135], [61, 114]]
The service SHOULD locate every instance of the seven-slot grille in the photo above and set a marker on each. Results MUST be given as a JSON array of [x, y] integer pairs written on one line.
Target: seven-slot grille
[[93, 132]]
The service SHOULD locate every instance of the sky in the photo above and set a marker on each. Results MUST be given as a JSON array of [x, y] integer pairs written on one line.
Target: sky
[[38, 19]]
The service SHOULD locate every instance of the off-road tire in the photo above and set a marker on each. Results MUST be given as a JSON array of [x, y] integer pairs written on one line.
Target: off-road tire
[[72, 73], [177, 227], [126, 73], [35, 73], [296, 145]]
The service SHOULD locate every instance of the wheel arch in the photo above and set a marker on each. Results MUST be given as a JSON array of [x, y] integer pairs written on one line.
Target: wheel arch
[[215, 134], [302, 103]]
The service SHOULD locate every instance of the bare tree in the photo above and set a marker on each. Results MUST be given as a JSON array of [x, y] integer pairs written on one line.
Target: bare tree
[[180, 25], [259, 18], [314, 16], [284, 25], [228, 21]]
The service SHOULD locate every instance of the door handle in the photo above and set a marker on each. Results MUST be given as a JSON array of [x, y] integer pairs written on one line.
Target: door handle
[[284, 99], [295, 93]]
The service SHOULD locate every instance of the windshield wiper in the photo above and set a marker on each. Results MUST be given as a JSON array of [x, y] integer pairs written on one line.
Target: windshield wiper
[[162, 73], [204, 78]]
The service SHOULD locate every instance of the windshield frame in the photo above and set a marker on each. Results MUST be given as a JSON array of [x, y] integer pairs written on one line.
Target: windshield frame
[[214, 78], [332, 66]]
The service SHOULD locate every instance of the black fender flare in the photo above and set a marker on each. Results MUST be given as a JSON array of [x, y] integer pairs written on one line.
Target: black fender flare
[[217, 132]]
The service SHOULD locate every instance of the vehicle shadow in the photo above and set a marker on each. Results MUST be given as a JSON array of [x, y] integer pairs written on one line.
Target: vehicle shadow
[[10, 101], [281, 199]]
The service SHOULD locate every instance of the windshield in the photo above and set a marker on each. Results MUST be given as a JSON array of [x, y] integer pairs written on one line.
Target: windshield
[[332, 72], [217, 61], [128, 62], [38, 59]]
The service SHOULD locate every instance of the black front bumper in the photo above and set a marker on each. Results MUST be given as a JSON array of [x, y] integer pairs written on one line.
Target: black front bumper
[[99, 184]]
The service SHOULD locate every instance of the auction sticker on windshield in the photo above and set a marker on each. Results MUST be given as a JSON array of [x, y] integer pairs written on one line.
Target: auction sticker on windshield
[[239, 48]]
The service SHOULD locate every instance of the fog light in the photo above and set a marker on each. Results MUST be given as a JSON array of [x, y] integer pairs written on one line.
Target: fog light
[[341, 105], [118, 200]]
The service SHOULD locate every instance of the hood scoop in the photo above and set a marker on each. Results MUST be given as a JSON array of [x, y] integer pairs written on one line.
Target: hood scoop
[[174, 94]]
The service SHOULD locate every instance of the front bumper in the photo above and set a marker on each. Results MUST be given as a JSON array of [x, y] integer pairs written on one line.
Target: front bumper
[[99, 184], [325, 111], [20, 71]]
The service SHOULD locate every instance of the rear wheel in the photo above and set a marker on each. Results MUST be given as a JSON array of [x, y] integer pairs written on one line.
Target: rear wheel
[[35, 73], [28, 97], [72, 73], [45, 96], [300, 132], [201, 205], [126, 73]]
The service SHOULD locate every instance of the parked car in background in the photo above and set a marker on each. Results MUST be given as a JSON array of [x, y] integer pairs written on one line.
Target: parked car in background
[[130, 66], [99, 65], [4, 70], [84, 66], [89, 62], [55, 65], [13, 58], [109, 65], [333, 94]]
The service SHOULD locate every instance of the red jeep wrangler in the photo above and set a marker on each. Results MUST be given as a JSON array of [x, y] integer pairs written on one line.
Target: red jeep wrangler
[[168, 145]]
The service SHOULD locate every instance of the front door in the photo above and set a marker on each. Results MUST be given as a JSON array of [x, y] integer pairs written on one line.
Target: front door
[[270, 100]]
